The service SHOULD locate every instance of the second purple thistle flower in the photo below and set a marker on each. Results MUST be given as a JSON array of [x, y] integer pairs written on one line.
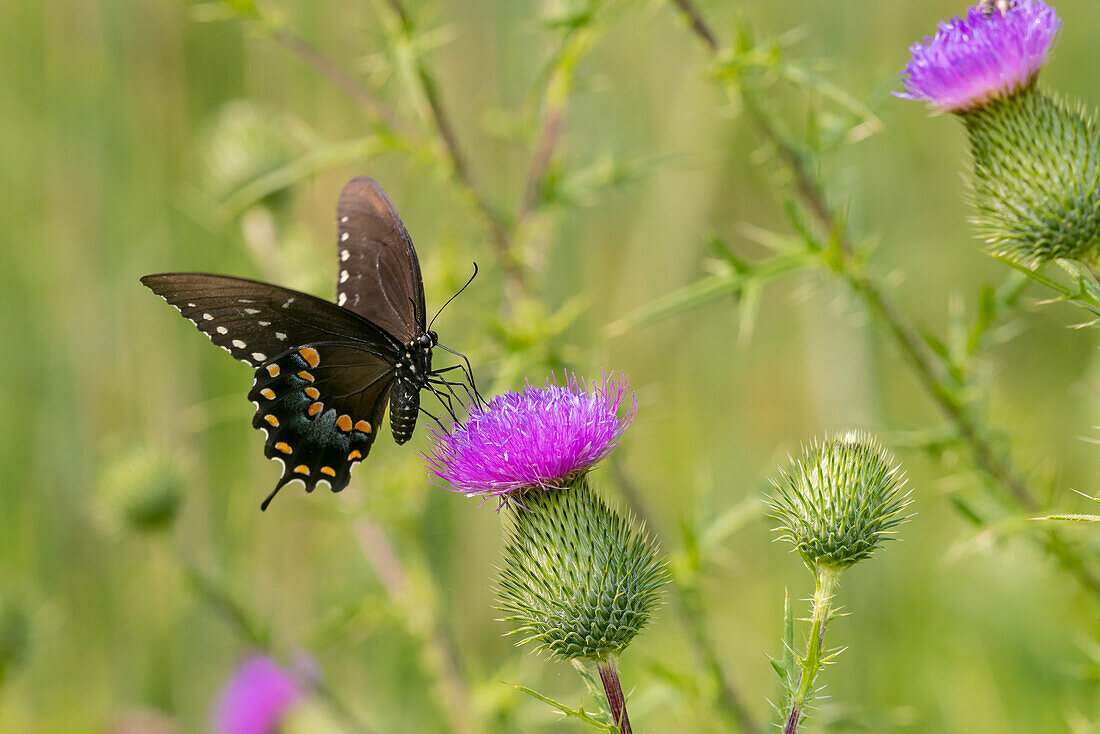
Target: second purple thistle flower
[[981, 57], [1035, 183], [537, 438]]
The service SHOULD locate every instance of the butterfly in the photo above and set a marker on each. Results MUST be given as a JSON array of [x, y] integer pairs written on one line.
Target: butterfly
[[325, 372]]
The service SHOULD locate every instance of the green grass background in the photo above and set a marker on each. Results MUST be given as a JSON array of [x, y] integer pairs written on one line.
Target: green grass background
[[101, 102]]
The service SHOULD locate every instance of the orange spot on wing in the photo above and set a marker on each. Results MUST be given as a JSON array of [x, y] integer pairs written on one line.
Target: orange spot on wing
[[305, 376], [310, 355], [273, 370], [315, 408], [344, 423], [354, 455], [328, 470], [313, 393], [272, 420], [268, 393], [284, 447], [301, 469], [363, 426]]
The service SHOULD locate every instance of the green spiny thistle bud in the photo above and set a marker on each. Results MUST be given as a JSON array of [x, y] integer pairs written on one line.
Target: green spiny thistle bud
[[839, 501], [142, 491], [1036, 181], [578, 580]]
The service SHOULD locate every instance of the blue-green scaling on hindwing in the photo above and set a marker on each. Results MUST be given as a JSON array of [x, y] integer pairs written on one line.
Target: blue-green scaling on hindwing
[[577, 579], [1036, 178]]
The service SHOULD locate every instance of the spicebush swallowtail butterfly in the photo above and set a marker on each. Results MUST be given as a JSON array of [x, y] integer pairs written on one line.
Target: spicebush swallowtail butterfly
[[325, 371]]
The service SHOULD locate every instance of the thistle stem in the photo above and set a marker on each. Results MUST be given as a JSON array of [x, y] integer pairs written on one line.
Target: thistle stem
[[615, 699], [826, 583]]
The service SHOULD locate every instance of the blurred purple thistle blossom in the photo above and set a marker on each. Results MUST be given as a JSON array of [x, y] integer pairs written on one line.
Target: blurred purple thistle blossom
[[974, 60], [256, 697], [538, 438]]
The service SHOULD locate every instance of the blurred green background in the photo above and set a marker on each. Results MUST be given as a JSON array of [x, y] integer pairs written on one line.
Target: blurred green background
[[120, 121]]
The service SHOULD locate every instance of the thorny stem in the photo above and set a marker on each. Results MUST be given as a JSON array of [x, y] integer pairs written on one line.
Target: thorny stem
[[826, 583], [692, 615], [928, 369], [615, 699], [498, 227], [337, 75]]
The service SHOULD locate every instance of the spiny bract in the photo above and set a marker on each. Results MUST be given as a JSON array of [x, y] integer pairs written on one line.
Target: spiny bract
[[839, 501], [1036, 181], [577, 579]]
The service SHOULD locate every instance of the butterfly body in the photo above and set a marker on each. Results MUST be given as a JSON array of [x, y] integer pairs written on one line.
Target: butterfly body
[[325, 372], [412, 375]]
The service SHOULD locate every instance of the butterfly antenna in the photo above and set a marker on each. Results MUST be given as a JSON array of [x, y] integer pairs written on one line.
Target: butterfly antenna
[[456, 295]]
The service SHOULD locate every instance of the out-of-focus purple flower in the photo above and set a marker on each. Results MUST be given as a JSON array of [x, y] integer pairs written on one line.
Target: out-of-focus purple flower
[[540, 437], [974, 60], [256, 698]]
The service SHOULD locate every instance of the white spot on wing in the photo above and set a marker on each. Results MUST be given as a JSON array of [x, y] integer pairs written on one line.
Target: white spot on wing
[[189, 305], [343, 276], [239, 344], [344, 237], [259, 356], [343, 220], [264, 323], [288, 302], [223, 330], [344, 255], [208, 317], [252, 311], [280, 336], [342, 299]]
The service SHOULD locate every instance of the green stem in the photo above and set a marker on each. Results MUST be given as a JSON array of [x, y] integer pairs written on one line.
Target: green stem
[[499, 228], [827, 580]]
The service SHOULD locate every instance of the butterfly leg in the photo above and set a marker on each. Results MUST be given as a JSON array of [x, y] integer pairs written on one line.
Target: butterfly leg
[[468, 371], [451, 385], [437, 421]]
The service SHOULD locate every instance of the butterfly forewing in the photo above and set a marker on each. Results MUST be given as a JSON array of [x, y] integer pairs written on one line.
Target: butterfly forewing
[[256, 322], [379, 276]]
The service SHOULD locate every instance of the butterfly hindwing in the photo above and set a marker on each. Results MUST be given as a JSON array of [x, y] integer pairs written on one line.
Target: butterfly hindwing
[[323, 373], [379, 272], [320, 408]]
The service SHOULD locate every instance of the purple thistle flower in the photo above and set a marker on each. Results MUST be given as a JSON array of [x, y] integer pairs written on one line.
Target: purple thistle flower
[[974, 60], [256, 698], [540, 437]]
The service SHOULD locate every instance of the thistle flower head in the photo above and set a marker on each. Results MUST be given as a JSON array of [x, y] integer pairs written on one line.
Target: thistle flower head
[[577, 580], [539, 437], [839, 501], [256, 698], [982, 57]]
